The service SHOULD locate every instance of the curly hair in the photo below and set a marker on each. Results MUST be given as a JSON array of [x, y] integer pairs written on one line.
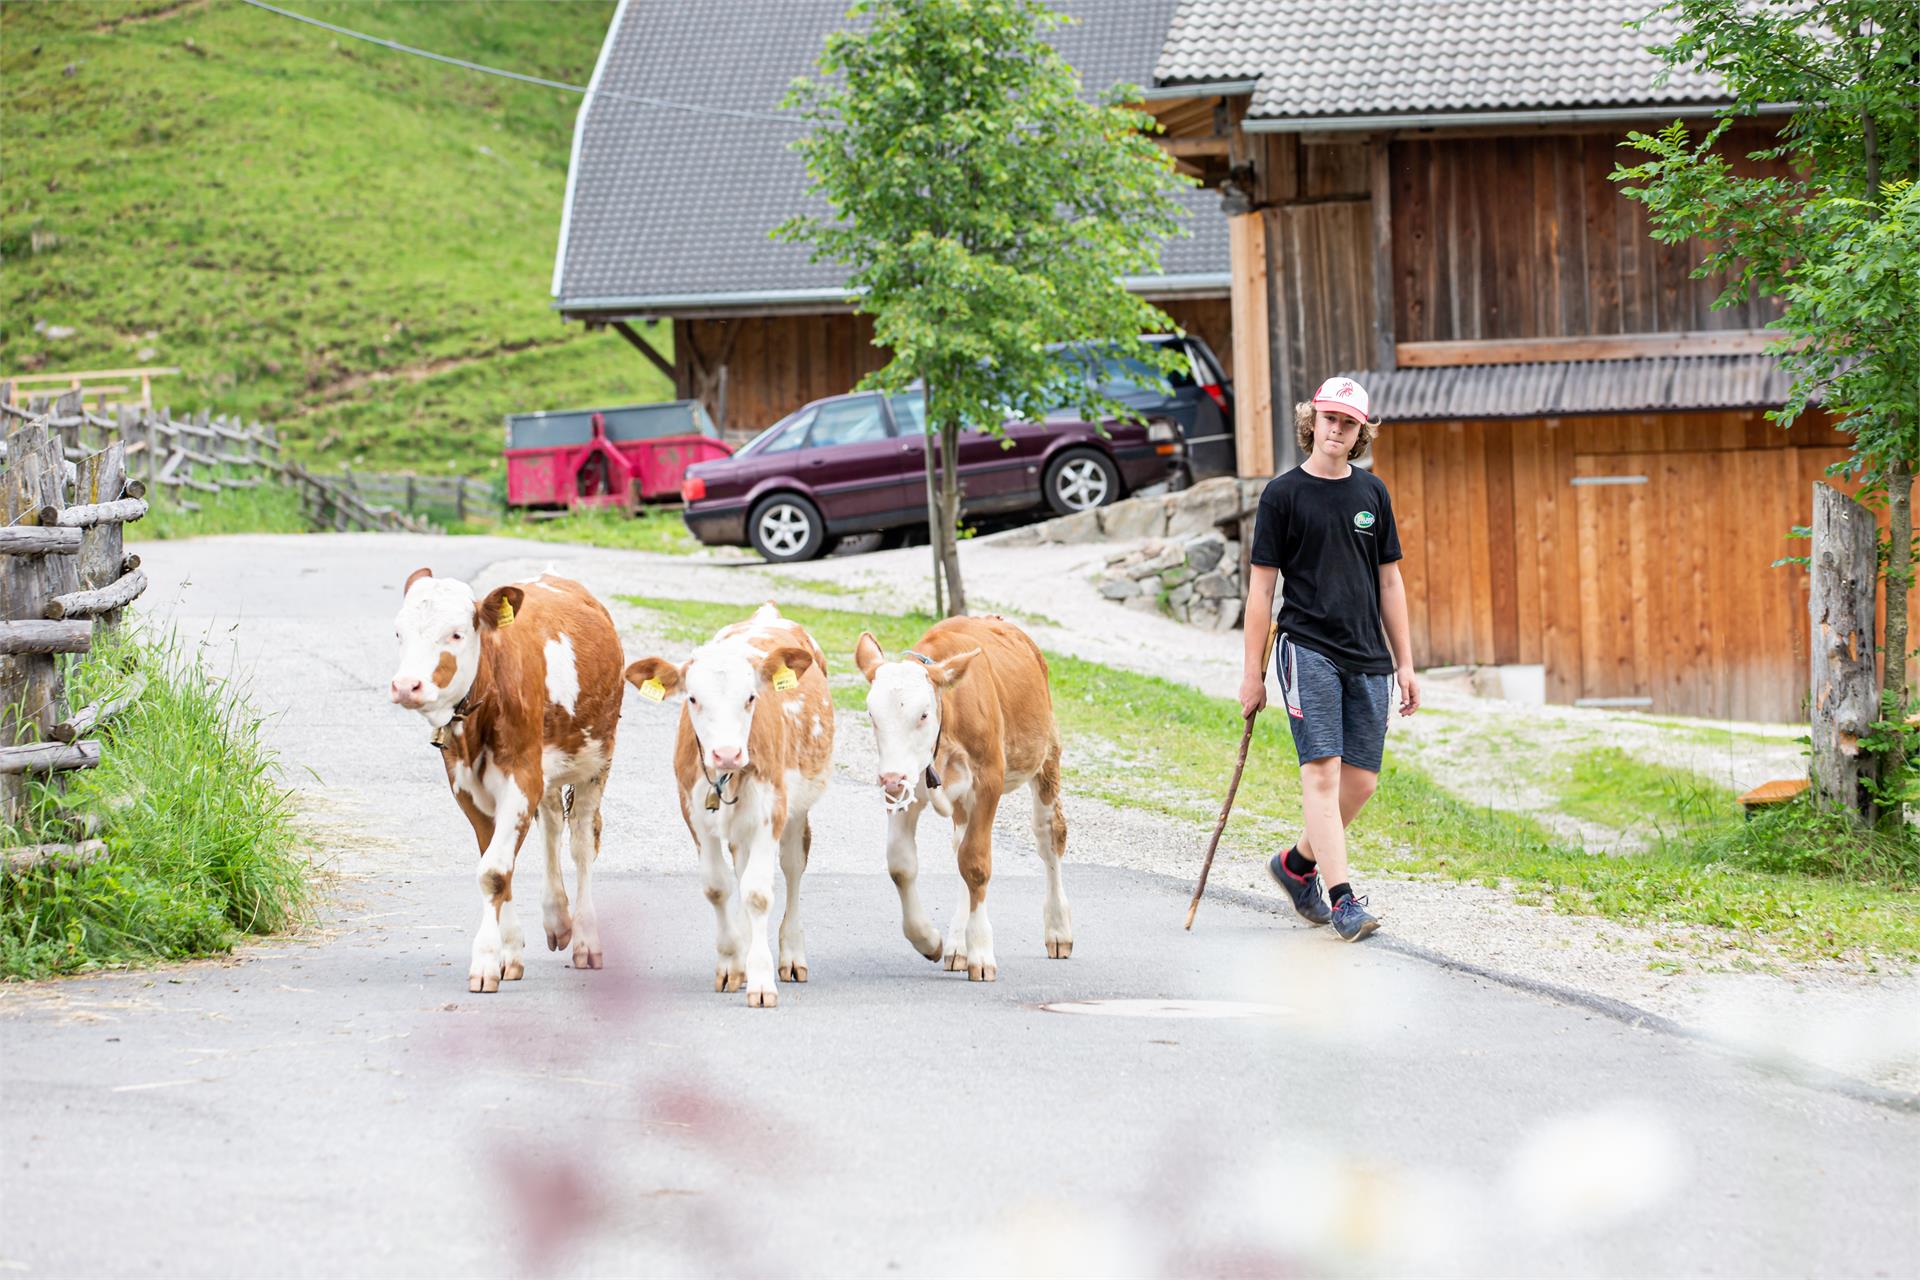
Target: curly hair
[[1303, 432]]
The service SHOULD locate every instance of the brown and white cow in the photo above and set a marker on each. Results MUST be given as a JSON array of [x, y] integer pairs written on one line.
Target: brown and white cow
[[753, 755], [523, 692], [960, 720]]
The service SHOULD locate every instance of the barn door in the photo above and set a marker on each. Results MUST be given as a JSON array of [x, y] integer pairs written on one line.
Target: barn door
[[1682, 611]]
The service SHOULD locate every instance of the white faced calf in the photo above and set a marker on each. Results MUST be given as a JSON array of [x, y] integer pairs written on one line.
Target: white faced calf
[[522, 690], [962, 719], [754, 751]]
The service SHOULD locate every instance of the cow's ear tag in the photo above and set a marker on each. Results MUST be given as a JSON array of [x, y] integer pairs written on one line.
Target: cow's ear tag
[[506, 612], [784, 679], [652, 690]]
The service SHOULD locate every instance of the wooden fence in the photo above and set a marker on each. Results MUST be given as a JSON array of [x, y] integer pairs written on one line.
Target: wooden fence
[[455, 496], [64, 579], [201, 455]]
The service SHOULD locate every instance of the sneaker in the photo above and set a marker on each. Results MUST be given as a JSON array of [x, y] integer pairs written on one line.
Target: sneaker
[[1309, 899], [1351, 919]]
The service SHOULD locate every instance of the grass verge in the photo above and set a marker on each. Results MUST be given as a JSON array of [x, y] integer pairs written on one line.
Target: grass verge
[[203, 850], [271, 508], [1611, 787], [1147, 743], [651, 530]]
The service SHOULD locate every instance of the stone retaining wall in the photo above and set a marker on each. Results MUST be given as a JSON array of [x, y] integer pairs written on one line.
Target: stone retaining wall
[[1189, 567]]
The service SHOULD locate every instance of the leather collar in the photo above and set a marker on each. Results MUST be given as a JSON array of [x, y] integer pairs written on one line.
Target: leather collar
[[443, 736]]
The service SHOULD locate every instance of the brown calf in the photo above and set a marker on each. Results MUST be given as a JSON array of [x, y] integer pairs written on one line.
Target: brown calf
[[960, 720], [753, 755], [523, 692]]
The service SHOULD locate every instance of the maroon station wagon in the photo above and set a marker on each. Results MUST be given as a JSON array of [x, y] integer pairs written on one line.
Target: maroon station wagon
[[855, 464]]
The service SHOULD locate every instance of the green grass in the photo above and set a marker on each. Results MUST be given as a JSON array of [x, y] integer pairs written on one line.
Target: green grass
[[1147, 743], [271, 508], [350, 243], [651, 530], [818, 587], [1615, 789], [198, 825]]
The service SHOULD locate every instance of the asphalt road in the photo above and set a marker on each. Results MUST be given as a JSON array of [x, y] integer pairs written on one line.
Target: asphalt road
[[338, 1103]]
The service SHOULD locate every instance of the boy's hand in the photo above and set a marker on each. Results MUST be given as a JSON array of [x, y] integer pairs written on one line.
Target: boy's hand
[[1409, 690], [1253, 695]]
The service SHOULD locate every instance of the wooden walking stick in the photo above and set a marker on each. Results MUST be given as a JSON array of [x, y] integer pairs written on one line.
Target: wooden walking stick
[[1233, 788]]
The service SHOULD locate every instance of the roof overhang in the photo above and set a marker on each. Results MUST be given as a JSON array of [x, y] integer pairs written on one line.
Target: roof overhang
[[831, 300], [1481, 119], [1576, 388], [1200, 89]]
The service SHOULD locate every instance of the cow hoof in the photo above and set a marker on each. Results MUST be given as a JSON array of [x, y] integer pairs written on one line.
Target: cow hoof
[[956, 962], [483, 982], [559, 941], [513, 971], [793, 973], [585, 957], [762, 999], [1060, 950], [729, 979], [982, 972]]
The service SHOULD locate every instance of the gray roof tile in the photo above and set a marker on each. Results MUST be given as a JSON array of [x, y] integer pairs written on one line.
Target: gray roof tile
[[1546, 390], [1326, 58], [667, 203]]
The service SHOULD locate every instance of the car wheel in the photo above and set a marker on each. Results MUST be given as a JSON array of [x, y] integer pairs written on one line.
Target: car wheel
[[1080, 480], [787, 527]]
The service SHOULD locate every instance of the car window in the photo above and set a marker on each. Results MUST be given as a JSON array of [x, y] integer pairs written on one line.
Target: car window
[[910, 412], [855, 421], [782, 436], [1116, 375]]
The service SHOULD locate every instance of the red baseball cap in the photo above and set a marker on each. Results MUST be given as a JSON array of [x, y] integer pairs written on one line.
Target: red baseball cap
[[1342, 395]]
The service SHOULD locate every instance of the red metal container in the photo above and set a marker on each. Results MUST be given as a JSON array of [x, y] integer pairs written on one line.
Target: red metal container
[[621, 456]]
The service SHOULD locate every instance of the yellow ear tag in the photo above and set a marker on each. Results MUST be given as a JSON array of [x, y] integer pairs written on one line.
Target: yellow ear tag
[[652, 690], [784, 679], [506, 612]]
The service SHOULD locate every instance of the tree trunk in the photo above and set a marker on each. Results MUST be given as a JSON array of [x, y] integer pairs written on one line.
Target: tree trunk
[[950, 501], [1893, 648], [1845, 700], [929, 439]]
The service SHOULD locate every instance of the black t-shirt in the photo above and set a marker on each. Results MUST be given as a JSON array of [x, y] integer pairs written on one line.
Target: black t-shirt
[[1329, 538]]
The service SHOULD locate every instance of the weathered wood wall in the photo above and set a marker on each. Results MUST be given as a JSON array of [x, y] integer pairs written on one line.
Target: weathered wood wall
[[777, 363], [1505, 237], [1660, 590]]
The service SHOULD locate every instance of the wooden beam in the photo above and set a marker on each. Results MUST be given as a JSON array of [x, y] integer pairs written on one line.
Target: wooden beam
[[1380, 184], [25, 857], [644, 347], [32, 540], [1252, 345], [33, 636], [1206, 145], [1624, 346], [50, 757]]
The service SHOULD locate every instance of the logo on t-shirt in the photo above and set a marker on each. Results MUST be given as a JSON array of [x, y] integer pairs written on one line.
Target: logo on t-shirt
[[1363, 520]]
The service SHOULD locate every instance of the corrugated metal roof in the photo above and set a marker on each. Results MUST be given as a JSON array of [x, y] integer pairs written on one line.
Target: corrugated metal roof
[[669, 206], [1346, 58], [1560, 389]]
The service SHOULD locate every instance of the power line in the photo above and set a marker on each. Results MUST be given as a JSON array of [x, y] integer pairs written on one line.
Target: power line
[[397, 47]]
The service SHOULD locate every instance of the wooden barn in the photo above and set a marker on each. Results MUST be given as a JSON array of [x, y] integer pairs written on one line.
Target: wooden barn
[[1418, 196], [668, 212]]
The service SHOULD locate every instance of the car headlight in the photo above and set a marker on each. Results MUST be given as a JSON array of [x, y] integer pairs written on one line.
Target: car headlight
[[1158, 431]]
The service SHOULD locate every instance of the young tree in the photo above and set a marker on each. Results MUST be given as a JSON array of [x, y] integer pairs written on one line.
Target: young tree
[[1838, 241], [985, 210]]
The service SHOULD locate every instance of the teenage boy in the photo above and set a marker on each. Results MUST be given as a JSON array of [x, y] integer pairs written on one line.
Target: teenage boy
[[1326, 529]]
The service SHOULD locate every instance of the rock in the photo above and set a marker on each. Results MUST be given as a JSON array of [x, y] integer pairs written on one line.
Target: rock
[[1232, 553], [1178, 597], [1207, 504], [1226, 614], [1204, 551], [1216, 586], [1027, 536], [1134, 518], [1081, 526], [1167, 559], [1145, 604], [1119, 588]]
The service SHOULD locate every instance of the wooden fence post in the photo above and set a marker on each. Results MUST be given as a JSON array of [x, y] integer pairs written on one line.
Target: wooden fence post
[[103, 478], [1846, 682]]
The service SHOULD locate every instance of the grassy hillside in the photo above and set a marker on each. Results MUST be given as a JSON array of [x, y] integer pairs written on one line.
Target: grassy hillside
[[350, 242]]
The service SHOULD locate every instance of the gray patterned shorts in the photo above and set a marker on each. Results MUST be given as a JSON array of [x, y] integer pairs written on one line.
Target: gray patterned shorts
[[1333, 712]]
